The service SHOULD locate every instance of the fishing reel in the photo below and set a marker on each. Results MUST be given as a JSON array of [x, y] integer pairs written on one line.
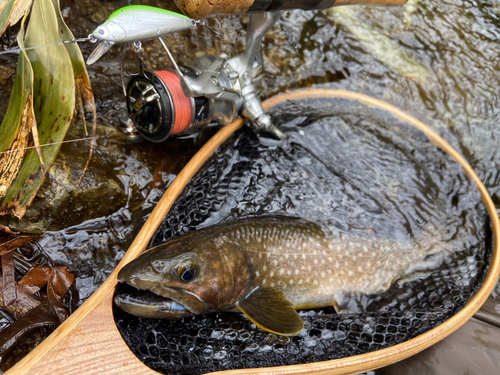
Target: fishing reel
[[213, 91]]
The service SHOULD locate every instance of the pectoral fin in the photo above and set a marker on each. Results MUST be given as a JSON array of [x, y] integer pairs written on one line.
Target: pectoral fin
[[269, 309]]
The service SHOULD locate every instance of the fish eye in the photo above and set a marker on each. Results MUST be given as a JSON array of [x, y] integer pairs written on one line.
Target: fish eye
[[188, 272], [103, 31]]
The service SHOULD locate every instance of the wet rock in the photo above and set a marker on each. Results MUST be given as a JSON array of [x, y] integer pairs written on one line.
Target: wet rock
[[63, 200], [6, 72]]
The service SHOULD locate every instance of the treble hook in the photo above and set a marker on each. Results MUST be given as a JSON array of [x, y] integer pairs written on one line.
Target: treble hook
[[215, 32], [140, 54]]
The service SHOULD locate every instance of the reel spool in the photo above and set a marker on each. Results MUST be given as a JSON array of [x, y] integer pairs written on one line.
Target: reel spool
[[159, 108]]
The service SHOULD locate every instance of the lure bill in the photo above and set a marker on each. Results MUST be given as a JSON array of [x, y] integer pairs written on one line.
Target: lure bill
[[136, 23]]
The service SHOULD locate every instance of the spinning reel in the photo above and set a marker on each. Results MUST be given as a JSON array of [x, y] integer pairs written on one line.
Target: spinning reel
[[211, 91]]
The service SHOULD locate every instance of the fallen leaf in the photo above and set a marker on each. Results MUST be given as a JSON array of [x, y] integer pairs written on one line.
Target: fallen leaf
[[58, 280], [8, 279], [25, 301], [9, 242], [6, 229], [376, 42], [40, 316], [38, 276]]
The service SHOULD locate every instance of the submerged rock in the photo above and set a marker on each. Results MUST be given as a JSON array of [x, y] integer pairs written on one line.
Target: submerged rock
[[63, 200]]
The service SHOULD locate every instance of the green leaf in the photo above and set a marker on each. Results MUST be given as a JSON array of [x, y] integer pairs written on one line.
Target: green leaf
[[83, 91], [6, 7], [18, 120], [54, 103]]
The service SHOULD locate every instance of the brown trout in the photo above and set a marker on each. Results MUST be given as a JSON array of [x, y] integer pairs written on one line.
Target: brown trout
[[265, 267]]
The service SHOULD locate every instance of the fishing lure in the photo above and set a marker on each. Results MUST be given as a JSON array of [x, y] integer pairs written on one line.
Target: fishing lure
[[135, 23]]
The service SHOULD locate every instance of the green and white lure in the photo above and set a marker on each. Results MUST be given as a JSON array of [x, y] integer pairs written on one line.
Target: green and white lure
[[135, 23]]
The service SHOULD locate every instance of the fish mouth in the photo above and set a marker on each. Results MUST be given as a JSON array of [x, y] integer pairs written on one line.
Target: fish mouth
[[146, 304]]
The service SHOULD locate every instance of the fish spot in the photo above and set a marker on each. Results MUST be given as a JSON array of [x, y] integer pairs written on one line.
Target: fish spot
[[330, 279], [273, 285], [271, 274], [291, 282], [264, 282], [315, 261], [300, 282], [350, 273], [289, 272], [275, 262], [323, 274], [282, 271], [297, 272], [315, 282], [264, 268]]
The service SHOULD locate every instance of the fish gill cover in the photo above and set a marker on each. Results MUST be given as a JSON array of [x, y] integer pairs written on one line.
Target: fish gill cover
[[353, 170]]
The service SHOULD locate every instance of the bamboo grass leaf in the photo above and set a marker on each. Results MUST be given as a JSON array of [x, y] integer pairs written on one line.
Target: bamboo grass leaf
[[54, 103], [83, 90], [21, 7], [6, 7], [18, 120]]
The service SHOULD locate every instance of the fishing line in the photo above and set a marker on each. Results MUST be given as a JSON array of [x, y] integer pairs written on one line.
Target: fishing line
[[49, 144], [16, 50]]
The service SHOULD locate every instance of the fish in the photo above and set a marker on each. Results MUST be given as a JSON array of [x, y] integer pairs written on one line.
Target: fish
[[136, 23], [267, 268]]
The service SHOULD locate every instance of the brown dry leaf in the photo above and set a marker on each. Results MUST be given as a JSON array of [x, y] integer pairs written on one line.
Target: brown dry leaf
[[5, 229], [38, 276], [9, 242], [21, 7], [8, 279], [25, 301], [60, 281]]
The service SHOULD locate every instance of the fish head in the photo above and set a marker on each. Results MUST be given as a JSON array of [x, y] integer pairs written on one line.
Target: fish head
[[109, 31], [106, 34], [186, 277]]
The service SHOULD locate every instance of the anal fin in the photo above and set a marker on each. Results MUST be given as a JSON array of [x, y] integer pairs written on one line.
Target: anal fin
[[269, 309]]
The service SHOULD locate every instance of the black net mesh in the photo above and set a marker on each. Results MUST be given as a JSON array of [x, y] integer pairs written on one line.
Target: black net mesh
[[355, 170]]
